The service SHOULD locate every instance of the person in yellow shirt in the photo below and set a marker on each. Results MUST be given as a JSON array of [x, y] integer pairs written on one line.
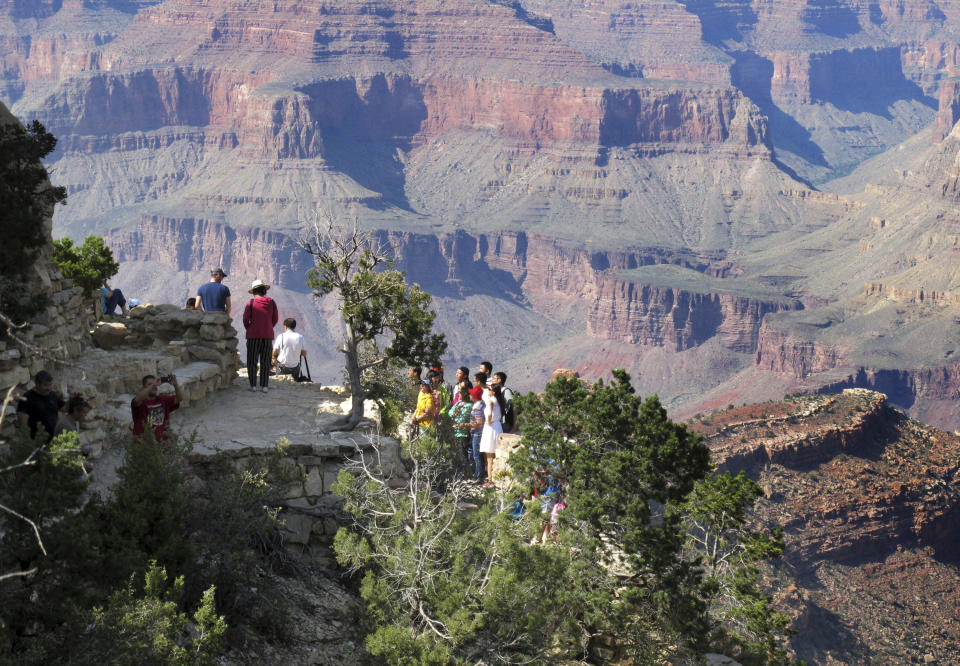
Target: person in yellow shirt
[[423, 416]]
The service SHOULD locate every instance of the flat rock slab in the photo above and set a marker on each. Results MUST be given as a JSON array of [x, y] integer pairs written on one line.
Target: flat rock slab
[[236, 418]]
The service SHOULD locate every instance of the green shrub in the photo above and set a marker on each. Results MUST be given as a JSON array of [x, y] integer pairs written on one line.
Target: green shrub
[[149, 626], [214, 535], [88, 265]]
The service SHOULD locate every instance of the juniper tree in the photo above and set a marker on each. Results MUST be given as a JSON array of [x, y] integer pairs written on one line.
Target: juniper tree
[[375, 303], [623, 461], [448, 577], [26, 203], [723, 534]]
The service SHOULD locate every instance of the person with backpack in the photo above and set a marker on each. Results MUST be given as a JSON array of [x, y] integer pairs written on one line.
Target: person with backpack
[[509, 418]]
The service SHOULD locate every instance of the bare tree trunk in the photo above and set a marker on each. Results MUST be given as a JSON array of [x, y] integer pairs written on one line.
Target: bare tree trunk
[[354, 376]]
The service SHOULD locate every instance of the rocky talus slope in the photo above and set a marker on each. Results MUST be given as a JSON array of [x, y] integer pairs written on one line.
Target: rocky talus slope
[[868, 500]]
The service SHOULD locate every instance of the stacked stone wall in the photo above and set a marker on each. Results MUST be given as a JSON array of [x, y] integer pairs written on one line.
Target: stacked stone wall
[[311, 511], [53, 337]]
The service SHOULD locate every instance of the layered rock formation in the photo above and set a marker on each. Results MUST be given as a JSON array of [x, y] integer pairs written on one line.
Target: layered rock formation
[[522, 156], [861, 491], [522, 267], [677, 319]]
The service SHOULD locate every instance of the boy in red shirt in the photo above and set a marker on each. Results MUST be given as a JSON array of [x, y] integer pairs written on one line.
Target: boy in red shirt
[[148, 406]]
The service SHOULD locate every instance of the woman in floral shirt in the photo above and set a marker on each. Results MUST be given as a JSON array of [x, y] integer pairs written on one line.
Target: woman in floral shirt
[[461, 413]]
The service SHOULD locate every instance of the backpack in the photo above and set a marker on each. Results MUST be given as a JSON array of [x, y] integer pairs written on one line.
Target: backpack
[[509, 419]]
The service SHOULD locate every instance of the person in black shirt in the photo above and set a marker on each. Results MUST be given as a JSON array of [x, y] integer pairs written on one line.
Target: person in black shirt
[[40, 406]]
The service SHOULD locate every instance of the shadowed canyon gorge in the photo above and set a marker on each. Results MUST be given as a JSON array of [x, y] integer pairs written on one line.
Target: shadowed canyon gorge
[[732, 200]]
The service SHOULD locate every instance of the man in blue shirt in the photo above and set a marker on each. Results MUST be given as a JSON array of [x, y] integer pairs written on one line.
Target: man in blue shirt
[[214, 296]]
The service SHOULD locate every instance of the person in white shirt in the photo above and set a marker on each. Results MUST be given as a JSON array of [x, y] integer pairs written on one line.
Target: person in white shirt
[[287, 350]]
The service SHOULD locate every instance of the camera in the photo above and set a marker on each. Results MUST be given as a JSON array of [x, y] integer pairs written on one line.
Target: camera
[[166, 379]]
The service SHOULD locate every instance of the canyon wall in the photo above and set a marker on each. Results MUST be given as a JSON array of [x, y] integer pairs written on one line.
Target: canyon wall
[[511, 265], [780, 352], [677, 319]]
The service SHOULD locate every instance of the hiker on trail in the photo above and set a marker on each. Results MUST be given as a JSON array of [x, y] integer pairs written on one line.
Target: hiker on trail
[[111, 298], [476, 431], [426, 407], [40, 406], [214, 296], [509, 420], [150, 408], [259, 317], [492, 429], [460, 414], [288, 350]]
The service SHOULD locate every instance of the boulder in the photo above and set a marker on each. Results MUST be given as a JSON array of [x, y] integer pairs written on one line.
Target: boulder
[[110, 335], [211, 332]]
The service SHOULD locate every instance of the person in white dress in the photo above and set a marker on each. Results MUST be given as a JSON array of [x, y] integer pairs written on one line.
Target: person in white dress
[[492, 429]]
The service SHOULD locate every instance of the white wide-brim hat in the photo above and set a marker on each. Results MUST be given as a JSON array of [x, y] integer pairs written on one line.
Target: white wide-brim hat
[[257, 283]]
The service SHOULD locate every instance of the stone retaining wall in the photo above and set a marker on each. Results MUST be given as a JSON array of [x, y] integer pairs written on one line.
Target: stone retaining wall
[[107, 365], [57, 334], [199, 347], [311, 512]]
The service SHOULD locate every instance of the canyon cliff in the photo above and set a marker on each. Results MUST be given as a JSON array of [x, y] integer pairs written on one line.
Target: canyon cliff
[[613, 184], [864, 497]]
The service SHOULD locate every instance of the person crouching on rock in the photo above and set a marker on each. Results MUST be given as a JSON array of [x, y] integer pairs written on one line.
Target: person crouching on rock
[[151, 408], [288, 350], [259, 317]]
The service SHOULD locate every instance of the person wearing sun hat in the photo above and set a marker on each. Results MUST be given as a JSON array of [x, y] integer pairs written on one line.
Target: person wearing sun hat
[[259, 317]]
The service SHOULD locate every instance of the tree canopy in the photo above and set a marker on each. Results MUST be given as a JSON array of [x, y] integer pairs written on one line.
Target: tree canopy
[[88, 265], [450, 576]]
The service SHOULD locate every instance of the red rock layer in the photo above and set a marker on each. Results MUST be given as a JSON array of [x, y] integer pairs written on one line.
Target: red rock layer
[[847, 477], [778, 351], [676, 319]]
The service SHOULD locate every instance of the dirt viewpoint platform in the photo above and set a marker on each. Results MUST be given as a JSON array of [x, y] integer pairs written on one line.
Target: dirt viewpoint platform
[[237, 418]]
